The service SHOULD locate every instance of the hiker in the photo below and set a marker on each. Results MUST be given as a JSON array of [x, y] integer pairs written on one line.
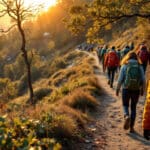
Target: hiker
[[119, 56], [146, 115], [111, 63], [132, 80], [144, 55], [125, 51], [99, 49], [102, 55]]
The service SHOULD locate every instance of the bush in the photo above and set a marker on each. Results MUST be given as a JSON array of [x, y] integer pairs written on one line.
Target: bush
[[35, 73], [59, 63], [7, 89], [22, 85], [63, 126], [24, 135], [79, 117], [9, 71], [42, 92], [93, 81], [81, 100]]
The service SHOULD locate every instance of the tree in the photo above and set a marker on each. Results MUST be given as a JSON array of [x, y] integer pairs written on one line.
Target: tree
[[18, 13], [99, 14]]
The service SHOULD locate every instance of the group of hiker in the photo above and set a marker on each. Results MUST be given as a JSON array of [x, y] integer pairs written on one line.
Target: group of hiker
[[131, 63]]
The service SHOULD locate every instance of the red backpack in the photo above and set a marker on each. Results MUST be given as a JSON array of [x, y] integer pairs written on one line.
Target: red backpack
[[143, 54], [112, 59]]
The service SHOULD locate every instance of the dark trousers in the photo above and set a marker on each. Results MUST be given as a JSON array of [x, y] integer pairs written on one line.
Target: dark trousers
[[111, 74], [144, 65], [130, 98]]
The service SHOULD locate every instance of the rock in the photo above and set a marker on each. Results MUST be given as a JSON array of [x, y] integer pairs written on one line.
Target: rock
[[87, 141]]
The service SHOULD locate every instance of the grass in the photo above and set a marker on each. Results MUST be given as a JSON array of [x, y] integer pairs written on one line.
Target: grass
[[63, 99], [81, 100], [66, 90]]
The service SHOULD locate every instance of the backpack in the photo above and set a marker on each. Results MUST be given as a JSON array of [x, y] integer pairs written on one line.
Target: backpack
[[103, 51], [112, 59], [126, 51], [143, 54], [133, 76], [119, 54]]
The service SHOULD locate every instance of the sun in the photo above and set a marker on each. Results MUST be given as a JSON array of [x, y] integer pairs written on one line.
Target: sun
[[46, 3]]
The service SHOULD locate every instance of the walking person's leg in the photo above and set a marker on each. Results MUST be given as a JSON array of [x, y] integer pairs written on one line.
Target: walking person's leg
[[109, 74], [113, 69], [134, 101], [125, 103], [144, 66]]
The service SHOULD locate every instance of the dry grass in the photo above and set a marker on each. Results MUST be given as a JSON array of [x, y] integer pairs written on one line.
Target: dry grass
[[93, 81], [81, 100]]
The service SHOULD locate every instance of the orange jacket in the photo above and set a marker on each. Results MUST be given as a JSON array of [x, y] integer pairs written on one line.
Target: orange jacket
[[146, 113]]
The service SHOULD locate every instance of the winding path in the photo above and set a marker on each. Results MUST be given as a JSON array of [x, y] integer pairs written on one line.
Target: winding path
[[106, 130]]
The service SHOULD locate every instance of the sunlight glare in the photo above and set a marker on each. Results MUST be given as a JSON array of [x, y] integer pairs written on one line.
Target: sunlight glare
[[46, 3]]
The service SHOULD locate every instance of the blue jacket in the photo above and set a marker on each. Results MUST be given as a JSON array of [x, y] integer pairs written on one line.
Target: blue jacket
[[123, 74]]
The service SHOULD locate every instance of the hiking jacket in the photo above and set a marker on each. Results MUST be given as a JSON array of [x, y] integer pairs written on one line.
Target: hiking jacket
[[146, 113], [122, 75]]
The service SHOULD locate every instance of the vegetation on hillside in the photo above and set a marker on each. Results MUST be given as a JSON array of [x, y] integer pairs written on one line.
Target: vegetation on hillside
[[64, 99], [64, 82], [100, 15]]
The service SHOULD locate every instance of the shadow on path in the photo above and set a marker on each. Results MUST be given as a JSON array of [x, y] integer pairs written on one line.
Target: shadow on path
[[138, 137]]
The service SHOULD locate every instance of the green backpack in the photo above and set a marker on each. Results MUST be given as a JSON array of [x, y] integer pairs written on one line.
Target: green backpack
[[133, 76]]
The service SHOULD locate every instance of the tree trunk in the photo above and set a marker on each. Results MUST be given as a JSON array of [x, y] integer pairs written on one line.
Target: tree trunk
[[26, 59]]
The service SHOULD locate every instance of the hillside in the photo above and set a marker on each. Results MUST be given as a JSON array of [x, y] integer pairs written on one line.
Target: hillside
[[74, 107]]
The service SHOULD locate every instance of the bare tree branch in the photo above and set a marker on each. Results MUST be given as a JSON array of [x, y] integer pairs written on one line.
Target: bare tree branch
[[10, 28]]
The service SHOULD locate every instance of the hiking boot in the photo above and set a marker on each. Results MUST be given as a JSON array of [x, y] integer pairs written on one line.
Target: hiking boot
[[111, 85], [132, 130], [146, 134], [126, 123]]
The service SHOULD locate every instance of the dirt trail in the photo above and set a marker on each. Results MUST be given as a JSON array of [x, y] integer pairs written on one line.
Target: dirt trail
[[106, 131]]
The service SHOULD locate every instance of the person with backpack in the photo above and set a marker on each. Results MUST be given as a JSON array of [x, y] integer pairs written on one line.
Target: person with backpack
[[132, 80], [125, 51], [144, 55], [99, 49], [111, 63], [119, 56]]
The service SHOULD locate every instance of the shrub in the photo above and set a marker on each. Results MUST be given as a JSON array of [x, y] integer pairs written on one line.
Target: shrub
[[42, 92], [93, 81], [7, 89], [81, 100], [9, 71], [72, 55], [79, 117], [22, 134], [35, 73], [63, 126], [22, 85], [59, 63]]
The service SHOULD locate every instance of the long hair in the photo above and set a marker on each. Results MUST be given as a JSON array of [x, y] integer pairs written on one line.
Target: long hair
[[130, 55]]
